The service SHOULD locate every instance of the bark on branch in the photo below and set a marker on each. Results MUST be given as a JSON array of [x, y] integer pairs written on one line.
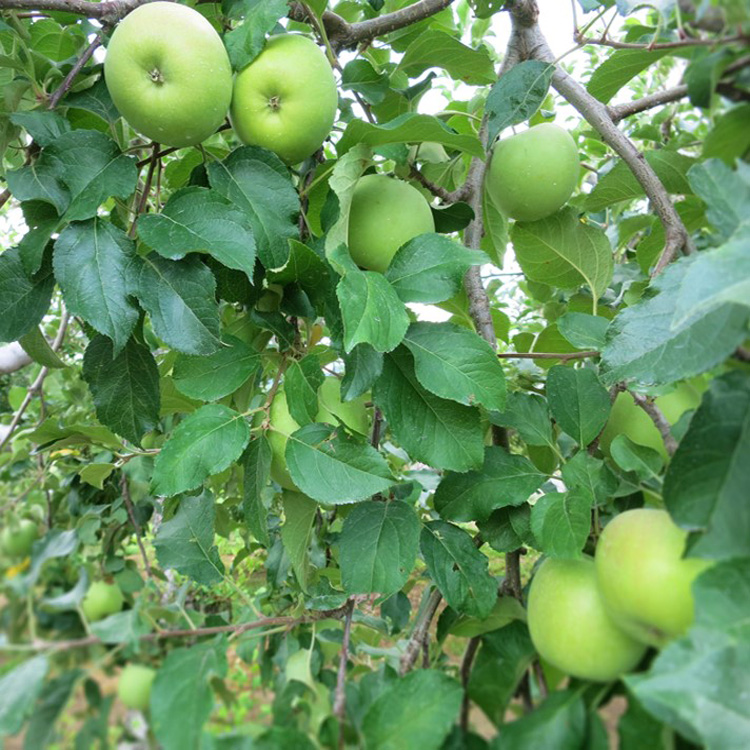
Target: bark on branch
[[108, 12]]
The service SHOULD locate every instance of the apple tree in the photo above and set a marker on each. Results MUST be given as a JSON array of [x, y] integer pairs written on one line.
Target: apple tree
[[373, 375]]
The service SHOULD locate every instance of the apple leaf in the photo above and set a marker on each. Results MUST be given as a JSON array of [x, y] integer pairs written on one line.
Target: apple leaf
[[457, 364], [359, 75], [415, 711], [198, 220], [301, 382], [259, 184], [508, 528], [438, 432], [122, 627], [729, 138], [333, 467], [179, 295], [257, 471], [458, 568], [19, 688], [40, 181], [246, 41], [304, 267], [579, 403], [725, 192], [186, 541], [38, 348], [371, 310], [630, 456], [125, 387], [94, 266], [619, 68], [430, 268], [363, 366], [23, 300], [561, 523], [583, 331], [44, 126], [503, 480], [706, 483], [50, 704], [217, 375], [586, 472], [527, 413], [564, 252], [296, 532], [203, 444], [377, 547]]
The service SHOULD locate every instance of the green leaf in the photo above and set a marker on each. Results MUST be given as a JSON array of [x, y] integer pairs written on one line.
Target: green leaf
[[53, 545], [198, 220], [561, 523], [333, 467], [40, 181], [37, 347], [726, 193], [643, 344], [296, 532], [517, 95], [23, 301], [203, 444], [95, 473], [583, 331], [125, 387], [53, 699], [182, 697], [246, 41], [457, 364], [257, 466], [371, 310], [619, 68], [93, 263], [527, 413], [122, 627], [180, 298], [579, 403], [186, 541], [437, 49], [503, 480], [304, 267], [729, 138], [706, 484], [458, 568], [42, 125], [430, 268], [301, 382], [363, 366], [378, 547], [217, 375], [258, 183], [629, 456], [591, 474], [440, 433], [415, 711], [95, 99], [359, 75], [564, 252], [619, 184], [19, 689], [508, 528], [408, 128]]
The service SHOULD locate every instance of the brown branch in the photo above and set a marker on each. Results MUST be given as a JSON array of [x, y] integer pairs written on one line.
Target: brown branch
[[563, 356], [447, 196], [108, 12], [419, 635], [466, 664], [125, 489], [620, 111], [153, 162], [75, 70], [649, 46], [339, 702], [4, 197], [653, 411]]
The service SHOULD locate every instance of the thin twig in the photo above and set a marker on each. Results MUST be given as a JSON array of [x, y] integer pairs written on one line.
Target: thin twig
[[466, 665], [339, 702], [75, 70], [419, 634], [563, 356], [658, 418], [4, 197], [153, 161], [125, 489], [649, 46]]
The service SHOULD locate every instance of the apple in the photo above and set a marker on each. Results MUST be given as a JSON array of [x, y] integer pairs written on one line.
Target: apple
[[532, 174], [285, 100], [134, 686], [101, 600], [168, 74], [643, 578], [385, 214], [570, 627], [331, 410], [16, 539]]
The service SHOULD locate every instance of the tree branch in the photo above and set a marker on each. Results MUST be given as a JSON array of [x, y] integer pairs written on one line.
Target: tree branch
[[466, 664], [419, 634], [563, 356], [665, 429], [339, 702], [108, 12], [62, 89], [649, 46], [125, 489]]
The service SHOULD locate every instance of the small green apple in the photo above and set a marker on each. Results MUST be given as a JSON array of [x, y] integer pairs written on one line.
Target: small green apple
[[168, 73], [285, 100], [570, 627], [534, 173], [385, 214], [643, 578], [332, 410], [134, 686], [101, 600], [16, 539]]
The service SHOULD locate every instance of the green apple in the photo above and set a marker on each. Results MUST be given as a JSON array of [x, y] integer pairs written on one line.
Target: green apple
[[385, 214], [168, 74], [570, 627], [643, 578], [134, 686], [331, 410], [532, 174], [16, 539], [101, 600], [285, 100]]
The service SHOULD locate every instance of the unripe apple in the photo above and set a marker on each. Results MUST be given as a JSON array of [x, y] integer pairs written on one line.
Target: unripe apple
[[570, 627], [534, 173], [285, 100], [168, 74], [16, 540], [643, 578], [102, 600], [385, 214], [332, 410], [134, 686]]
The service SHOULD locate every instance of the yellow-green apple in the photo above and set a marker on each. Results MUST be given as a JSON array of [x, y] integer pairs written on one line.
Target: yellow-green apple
[[532, 174], [168, 74], [101, 600], [643, 577], [385, 214], [331, 409], [570, 627], [16, 538], [285, 100], [134, 686]]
